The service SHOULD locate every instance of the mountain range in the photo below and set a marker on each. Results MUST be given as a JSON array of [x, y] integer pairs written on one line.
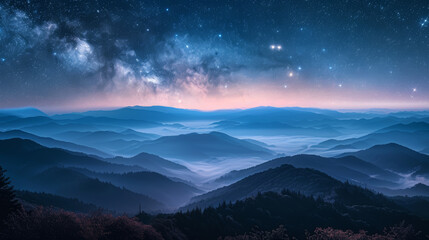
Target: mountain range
[[205, 146]]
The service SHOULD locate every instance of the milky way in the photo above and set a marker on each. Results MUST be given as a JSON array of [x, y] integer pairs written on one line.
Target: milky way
[[76, 54]]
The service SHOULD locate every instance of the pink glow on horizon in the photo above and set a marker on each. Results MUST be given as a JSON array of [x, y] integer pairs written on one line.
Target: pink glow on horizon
[[234, 97]]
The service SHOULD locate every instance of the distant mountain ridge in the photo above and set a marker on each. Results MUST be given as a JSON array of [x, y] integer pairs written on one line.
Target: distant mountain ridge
[[52, 143], [303, 180], [414, 135], [345, 168], [394, 157], [196, 146]]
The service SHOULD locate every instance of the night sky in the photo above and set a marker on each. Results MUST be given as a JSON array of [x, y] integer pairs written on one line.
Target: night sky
[[85, 54]]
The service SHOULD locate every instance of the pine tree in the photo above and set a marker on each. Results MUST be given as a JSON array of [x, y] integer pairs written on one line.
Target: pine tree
[[8, 203]]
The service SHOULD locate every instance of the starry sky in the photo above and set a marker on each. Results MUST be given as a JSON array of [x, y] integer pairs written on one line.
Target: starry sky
[[205, 54]]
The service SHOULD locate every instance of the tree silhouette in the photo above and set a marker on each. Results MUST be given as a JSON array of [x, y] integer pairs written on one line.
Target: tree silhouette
[[8, 203]]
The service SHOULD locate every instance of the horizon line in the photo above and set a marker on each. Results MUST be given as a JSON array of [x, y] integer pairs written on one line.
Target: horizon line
[[55, 111]]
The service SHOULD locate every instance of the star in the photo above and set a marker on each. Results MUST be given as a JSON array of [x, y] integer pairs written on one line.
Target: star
[[340, 85], [220, 35], [226, 86], [285, 86], [290, 74], [299, 68], [167, 9], [3, 59], [424, 22], [276, 47], [414, 89], [187, 46]]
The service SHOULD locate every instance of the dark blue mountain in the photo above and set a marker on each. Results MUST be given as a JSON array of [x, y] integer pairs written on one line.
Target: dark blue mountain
[[419, 189], [171, 193], [348, 168], [72, 184], [273, 128], [394, 157], [417, 140], [197, 146], [22, 112], [157, 164], [303, 180], [23, 158], [52, 143]]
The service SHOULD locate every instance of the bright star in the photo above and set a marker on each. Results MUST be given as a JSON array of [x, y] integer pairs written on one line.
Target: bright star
[[291, 74], [340, 85], [424, 22], [3, 59], [299, 68], [220, 35], [187, 46], [167, 9], [279, 47], [285, 86], [414, 89], [273, 46]]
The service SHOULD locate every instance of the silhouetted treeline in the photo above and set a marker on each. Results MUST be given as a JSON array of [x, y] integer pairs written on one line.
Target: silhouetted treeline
[[8, 203], [41, 223], [50, 200], [298, 213], [396, 232]]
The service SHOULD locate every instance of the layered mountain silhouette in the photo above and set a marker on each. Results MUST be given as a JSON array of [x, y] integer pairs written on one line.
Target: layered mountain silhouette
[[347, 168], [419, 189], [172, 194], [303, 180], [114, 186], [22, 112], [204, 146], [108, 141], [72, 184], [155, 163], [273, 128], [396, 158], [25, 157], [52, 143], [414, 135]]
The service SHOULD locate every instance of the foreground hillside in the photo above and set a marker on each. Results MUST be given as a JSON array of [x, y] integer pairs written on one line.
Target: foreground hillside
[[297, 213]]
